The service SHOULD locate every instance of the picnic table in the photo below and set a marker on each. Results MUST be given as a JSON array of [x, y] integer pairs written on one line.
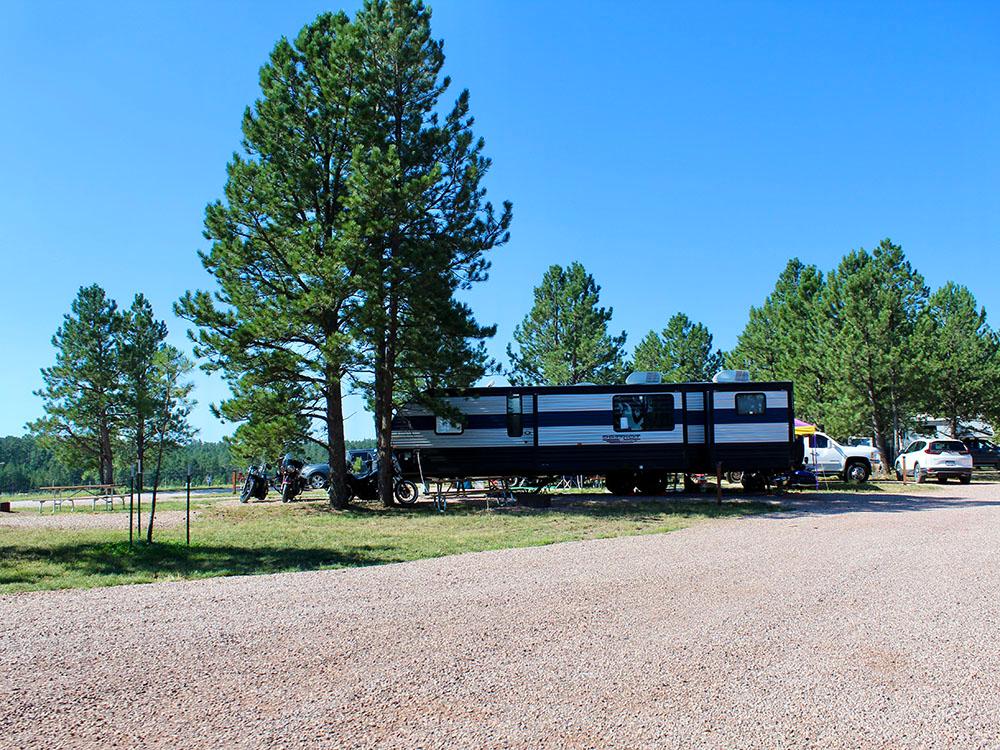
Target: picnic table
[[72, 492]]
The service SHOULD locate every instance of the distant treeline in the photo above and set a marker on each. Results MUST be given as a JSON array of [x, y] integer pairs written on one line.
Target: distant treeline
[[25, 465]]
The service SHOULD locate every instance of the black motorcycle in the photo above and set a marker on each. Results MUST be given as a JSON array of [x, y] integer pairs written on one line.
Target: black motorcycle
[[290, 478], [364, 486], [256, 483]]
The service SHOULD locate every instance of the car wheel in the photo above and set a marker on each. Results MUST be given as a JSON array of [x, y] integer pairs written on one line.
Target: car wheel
[[918, 475], [965, 479], [899, 474], [942, 480], [317, 481], [856, 472]]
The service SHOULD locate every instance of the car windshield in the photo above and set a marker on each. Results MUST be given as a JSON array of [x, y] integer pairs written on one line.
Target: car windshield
[[951, 446]]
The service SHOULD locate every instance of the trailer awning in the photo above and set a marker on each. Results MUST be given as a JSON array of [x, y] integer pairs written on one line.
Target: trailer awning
[[804, 428]]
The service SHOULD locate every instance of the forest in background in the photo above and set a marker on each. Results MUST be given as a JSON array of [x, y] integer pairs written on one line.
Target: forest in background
[[26, 465]]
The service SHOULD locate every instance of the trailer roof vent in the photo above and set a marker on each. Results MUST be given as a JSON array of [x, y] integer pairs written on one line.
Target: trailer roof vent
[[644, 378], [732, 376]]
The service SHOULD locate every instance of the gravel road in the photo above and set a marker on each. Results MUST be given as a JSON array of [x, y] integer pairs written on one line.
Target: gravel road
[[866, 621]]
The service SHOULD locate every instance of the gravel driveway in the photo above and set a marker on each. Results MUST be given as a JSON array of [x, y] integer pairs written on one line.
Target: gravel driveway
[[860, 621]]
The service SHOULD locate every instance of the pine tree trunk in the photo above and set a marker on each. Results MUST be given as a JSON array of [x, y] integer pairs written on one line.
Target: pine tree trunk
[[106, 460], [337, 491], [156, 485], [385, 385]]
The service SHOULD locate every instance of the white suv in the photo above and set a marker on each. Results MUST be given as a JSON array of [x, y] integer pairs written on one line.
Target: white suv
[[935, 458]]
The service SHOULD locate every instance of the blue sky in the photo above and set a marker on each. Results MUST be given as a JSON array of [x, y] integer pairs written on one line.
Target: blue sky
[[682, 152]]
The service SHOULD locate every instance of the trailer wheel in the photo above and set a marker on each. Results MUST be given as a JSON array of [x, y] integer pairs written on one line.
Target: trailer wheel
[[753, 481], [652, 483], [620, 483]]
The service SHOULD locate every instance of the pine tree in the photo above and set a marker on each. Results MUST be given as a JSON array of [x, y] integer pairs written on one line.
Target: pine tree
[[784, 338], [958, 357], [682, 352], [171, 401], [418, 218], [277, 326], [873, 301], [80, 395], [141, 337], [564, 338]]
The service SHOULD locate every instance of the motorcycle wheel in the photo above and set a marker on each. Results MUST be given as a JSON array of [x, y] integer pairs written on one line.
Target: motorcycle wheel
[[287, 492], [247, 491], [405, 492]]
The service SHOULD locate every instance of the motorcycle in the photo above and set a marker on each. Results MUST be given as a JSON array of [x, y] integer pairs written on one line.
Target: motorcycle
[[256, 483], [365, 486], [290, 477]]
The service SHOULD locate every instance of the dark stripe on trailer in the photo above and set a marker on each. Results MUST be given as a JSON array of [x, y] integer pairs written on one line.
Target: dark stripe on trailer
[[588, 459]]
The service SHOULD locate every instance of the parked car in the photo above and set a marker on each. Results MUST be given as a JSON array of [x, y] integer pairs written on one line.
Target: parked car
[[359, 462], [825, 456], [985, 454], [935, 458]]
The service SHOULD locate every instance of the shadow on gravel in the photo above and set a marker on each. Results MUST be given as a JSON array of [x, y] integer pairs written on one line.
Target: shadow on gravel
[[832, 503]]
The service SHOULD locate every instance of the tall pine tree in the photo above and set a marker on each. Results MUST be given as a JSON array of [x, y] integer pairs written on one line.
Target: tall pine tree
[[418, 218], [80, 395], [564, 339], [683, 352], [873, 301], [958, 356], [277, 326], [784, 338]]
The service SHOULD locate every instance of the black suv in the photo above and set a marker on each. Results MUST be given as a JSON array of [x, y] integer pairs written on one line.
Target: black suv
[[984, 453]]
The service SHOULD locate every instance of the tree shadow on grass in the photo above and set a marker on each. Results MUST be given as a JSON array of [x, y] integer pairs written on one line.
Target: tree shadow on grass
[[597, 505], [104, 563]]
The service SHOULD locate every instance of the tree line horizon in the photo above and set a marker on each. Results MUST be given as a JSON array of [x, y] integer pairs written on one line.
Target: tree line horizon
[[356, 212]]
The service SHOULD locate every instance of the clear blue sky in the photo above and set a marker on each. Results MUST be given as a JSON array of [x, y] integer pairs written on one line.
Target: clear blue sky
[[682, 152]]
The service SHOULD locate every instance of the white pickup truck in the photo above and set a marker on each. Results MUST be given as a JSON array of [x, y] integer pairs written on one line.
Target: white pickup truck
[[825, 456]]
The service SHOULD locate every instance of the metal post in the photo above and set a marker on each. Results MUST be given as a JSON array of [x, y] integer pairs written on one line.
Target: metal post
[[189, 506], [138, 500], [718, 483], [131, 490]]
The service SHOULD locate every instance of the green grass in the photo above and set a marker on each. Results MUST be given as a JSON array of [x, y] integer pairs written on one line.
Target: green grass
[[273, 538]]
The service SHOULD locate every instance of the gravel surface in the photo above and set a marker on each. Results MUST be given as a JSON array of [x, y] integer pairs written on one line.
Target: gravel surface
[[865, 621]]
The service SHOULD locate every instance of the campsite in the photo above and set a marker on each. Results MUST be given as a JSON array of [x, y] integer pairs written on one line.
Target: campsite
[[441, 374]]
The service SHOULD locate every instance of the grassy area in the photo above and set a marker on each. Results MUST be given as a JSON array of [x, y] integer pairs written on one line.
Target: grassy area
[[273, 538]]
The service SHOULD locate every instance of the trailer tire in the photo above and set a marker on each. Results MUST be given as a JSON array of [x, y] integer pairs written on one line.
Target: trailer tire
[[754, 482], [652, 483], [620, 483], [965, 479]]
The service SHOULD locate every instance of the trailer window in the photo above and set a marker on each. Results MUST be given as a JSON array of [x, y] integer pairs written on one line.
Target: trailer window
[[515, 426], [750, 404], [443, 427], [643, 413]]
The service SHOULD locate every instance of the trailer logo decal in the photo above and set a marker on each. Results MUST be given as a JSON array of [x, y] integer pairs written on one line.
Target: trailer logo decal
[[623, 438]]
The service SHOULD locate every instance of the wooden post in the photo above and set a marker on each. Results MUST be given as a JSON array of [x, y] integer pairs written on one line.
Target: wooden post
[[718, 483], [903, 466]]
